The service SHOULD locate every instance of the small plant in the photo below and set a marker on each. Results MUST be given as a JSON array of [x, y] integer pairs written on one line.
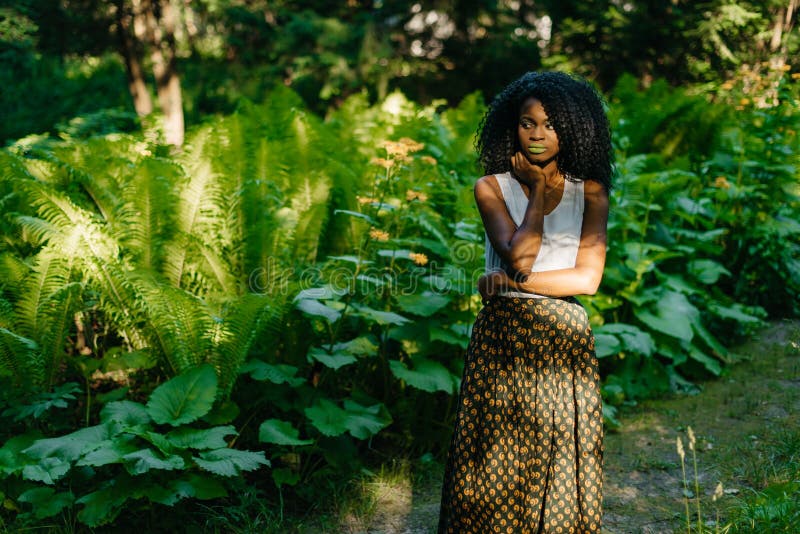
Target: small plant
[[700, 527]]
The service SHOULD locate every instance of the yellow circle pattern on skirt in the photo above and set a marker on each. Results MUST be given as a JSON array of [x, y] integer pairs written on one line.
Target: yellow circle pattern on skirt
[[527, 449]]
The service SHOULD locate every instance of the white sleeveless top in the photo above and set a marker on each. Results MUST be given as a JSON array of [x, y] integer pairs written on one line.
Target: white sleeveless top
[[561, 230]]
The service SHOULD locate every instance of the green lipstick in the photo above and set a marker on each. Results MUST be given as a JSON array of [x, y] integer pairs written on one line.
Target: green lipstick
[[536, 149]]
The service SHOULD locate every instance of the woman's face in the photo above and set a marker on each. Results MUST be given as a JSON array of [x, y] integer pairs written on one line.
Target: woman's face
[[537, 137]]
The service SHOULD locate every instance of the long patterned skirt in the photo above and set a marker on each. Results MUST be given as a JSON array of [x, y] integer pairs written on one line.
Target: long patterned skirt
[[527, 449]]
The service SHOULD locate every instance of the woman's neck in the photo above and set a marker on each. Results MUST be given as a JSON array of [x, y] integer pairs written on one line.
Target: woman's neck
[[553, 177]]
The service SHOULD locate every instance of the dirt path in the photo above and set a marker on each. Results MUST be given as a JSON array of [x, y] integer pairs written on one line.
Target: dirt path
[[737, 419]]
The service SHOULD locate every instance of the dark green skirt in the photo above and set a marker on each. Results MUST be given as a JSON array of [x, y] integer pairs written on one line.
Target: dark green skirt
[[527, 449]]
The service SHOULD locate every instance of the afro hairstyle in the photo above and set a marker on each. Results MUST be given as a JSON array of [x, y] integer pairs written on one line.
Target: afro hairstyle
[[574, 108]]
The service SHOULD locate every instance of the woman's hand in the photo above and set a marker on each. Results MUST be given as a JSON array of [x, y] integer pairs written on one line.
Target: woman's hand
[[526, 172], [491, 284]]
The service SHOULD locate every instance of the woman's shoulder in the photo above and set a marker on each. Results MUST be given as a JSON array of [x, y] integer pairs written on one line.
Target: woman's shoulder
[[594, 190], [489, 183], [493, 180]]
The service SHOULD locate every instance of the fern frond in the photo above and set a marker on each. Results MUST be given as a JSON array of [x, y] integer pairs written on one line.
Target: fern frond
[[219, 268], [12, 167], [145, 219], [19, 356], [310, 201], [51, 272], [57, 316], [194, 204], [118, 291], [244, 319], [179, 326], [12, 272], [6, 314]]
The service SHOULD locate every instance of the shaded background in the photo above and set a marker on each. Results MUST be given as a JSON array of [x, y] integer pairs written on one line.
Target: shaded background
[[60, 59]]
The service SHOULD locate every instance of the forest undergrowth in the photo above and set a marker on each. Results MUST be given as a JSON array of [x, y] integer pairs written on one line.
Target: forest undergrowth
[[234, 331]]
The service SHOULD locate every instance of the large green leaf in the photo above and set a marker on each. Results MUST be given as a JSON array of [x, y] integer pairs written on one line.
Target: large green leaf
[[365, 421], [110, 451], [709, 339], [711, 364], [327, 417], [46, 502], [356, 214], [632, 338], [425, 304], [318, 309], [11, 458], [197, 486], [280, 433], [201, 439], [606, 345], [277, 374], [230, 462], [185, 398], [448, 335], [671, 314], [739, 313], [427, 375], [46, 470], [360, 346], [380, 317], [707, 271], [361, 421], [334, 361], [128, 413], [103, 506], [69, 447], [144, 460]]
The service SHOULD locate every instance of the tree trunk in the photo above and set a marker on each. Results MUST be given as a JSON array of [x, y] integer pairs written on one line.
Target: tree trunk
[[129, 50], [784, 20], [161, 38]]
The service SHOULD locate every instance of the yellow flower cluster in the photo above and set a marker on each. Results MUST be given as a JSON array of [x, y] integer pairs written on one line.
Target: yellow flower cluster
[[759, 82], [382, 162], [416, 195], [431, 160], [378, 235], [419, 258], [365, 200], [402, 147], [722, 182]]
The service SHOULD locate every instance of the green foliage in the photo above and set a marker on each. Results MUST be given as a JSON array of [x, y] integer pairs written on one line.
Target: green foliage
[[185, 398], [128, 437], [329, 293]]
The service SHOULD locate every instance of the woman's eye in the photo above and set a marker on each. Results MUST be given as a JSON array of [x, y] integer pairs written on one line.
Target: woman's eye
[[548, 125], [525, 124]]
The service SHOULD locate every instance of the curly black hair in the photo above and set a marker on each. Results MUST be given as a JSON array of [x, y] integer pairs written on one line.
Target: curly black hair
[[576, 112]]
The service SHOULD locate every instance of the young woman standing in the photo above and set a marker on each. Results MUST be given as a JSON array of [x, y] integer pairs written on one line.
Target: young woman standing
[[526, 452]]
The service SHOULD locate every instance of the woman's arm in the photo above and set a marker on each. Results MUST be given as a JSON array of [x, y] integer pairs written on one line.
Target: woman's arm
[[517, 246], [584, 278]]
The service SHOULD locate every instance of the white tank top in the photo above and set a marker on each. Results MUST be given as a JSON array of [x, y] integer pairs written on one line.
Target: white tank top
[[561, 233]]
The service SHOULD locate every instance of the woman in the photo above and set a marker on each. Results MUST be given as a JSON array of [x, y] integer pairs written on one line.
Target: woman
[[526, 453]]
